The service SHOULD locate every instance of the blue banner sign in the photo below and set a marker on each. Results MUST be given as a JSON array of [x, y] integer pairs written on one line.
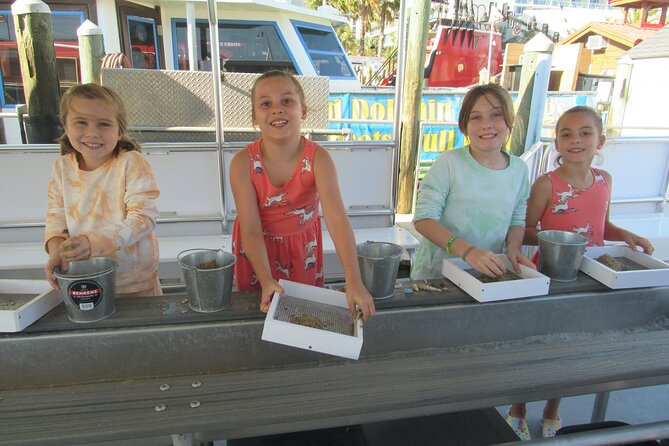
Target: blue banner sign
[[371, 116]]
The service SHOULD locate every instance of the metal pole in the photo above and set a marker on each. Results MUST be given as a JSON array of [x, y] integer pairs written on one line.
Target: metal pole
[[599, 408], [191, 29], [490, 42], [216, 80], [399, 83], [606, 437]]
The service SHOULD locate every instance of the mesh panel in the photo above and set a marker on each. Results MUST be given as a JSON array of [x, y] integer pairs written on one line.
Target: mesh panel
[[314, 314], [9, 301]]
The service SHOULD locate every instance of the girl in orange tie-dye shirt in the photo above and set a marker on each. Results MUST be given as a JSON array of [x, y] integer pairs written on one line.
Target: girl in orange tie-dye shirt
[[102, 194]]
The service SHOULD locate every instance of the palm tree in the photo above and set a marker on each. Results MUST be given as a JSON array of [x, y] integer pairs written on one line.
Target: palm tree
[[385, 11]]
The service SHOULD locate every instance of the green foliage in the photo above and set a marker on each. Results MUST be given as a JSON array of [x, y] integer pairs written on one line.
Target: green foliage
[[366, 13]]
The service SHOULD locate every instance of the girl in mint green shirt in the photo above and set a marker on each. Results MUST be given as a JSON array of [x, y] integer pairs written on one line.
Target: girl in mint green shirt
[[472, 202]]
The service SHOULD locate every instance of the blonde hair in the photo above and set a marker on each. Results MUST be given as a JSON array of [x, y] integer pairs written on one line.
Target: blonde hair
[[277, 73], [106, 94], [475, 93]]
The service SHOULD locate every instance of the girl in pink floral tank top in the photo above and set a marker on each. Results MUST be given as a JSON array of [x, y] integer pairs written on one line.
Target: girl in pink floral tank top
[[574, 197], [576, 210], [290, 224], [278, 183]]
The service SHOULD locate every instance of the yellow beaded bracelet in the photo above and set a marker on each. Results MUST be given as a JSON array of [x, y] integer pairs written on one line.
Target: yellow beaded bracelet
[[450, 243]]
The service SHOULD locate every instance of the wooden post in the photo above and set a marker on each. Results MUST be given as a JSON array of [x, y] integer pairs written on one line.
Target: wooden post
[[37, 56], [619, 97], [91, 51], [411, 100], [531, 101]]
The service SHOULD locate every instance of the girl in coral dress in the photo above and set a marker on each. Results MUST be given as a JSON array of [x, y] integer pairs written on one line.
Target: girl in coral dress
[[574, 197], [278, 183]]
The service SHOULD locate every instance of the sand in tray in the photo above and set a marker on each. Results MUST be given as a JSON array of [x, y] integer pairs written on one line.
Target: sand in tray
[[508, 275], [619, 263], [13, 301], [315, 315]]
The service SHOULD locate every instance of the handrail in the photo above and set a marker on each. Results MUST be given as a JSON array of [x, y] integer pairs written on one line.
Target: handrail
[[611, 436]]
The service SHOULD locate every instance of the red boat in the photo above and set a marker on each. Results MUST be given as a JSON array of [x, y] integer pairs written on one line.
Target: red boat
[[457, 52], [460, 51]]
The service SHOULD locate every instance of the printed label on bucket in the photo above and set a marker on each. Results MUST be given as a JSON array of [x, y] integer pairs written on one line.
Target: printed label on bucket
[[85, 294]]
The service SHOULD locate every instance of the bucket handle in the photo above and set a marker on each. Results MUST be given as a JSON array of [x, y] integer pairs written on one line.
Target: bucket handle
[[182, 253]]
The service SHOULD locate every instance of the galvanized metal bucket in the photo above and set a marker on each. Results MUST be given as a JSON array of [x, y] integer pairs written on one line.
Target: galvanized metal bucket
[[208, 276], [560, 254], [379, 263], [89, 289]]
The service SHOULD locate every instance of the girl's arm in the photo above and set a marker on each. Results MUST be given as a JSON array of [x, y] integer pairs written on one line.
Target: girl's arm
[[52, 247], [539, 200], [55, 232], [340, 230], [616, 233], [480, 259], [251, 227]]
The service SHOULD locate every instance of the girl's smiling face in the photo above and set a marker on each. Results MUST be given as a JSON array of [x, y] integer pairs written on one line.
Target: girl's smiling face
[[278, 108], [487, 129], [92, 127], [578, 137]]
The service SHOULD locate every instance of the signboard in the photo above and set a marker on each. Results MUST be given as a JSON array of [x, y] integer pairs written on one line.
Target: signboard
[[373, 114]]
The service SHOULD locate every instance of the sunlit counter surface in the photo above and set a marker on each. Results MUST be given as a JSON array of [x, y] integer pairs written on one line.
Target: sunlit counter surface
[[155, 368]]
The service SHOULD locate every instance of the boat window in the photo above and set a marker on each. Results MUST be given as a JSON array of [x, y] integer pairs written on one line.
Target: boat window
[[64, 28], [247, 47], [143, 38], [324, 50]]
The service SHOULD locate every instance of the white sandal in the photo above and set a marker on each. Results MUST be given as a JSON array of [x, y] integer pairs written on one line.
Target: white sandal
[[519, 426], [549, 427]]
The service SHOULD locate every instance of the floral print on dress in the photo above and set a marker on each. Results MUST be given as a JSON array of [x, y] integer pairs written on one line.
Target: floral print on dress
[[290, 221]]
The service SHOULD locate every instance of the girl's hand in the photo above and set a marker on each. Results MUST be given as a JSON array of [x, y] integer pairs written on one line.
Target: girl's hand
[[55, 261], [269, 287], [517, 258], [632, 240], [485, 262], [357, 294], [75, 248]]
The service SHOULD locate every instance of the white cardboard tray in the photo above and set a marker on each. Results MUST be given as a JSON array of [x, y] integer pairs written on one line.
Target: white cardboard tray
[[309, 338], [531, 283], [656, 275], [21, 317]]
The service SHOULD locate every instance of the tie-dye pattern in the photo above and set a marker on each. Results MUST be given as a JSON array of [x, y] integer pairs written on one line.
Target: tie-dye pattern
[[115, 207]]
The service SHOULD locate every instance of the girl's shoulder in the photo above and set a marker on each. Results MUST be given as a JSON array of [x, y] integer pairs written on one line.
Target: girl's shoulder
[[130, 157], [601, 173], [543, 183], [312, 147]]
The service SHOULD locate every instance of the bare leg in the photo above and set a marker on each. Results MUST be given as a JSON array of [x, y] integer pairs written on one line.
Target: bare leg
[[518, 410], [551, 409]]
